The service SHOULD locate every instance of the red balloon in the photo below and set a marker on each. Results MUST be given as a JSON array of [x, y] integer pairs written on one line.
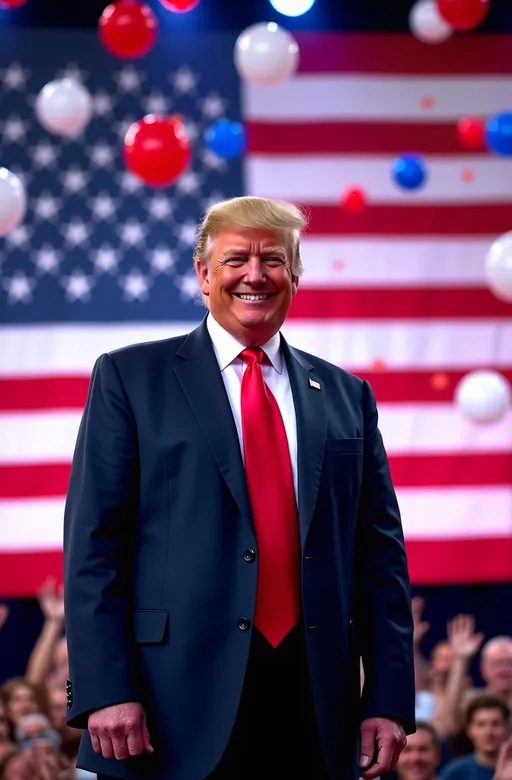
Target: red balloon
[[128, 29], [179, 6], [354, 200], [157, 150], [471, 132], [464, 15], [8, 4]]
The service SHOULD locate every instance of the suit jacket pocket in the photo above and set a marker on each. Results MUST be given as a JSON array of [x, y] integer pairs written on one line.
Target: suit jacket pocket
[[150, 625], [346, 446]]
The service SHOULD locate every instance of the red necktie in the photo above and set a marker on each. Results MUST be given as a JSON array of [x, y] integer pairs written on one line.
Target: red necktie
[[269, 477]]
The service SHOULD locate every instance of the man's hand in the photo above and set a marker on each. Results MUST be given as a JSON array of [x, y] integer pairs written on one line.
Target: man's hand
[[120, 731], [383, 738]]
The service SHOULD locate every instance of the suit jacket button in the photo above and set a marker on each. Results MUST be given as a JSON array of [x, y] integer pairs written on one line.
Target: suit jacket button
[[244, 624], [249, 556]]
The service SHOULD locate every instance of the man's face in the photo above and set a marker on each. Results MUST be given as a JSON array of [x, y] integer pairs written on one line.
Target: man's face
[[419, 759], [442, 657], [249, 283], [497, 669], [488, 730]]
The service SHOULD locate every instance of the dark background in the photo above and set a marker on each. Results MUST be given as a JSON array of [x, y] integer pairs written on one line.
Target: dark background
[[491, 604]]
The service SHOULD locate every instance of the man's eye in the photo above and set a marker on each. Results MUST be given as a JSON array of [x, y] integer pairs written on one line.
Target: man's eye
[[274, 261], [235, 261]]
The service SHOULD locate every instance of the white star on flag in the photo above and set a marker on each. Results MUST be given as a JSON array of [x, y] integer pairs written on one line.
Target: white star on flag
[[105, 260], [161, 260], [128, 79], [15, 77], [14, 129], [102, 102], [78, 285], [76, 232], [74, 179], [44, 155], [188, 183], [213, 106], [102, 155], [47, 260], [19, 236], [135, 285], [132, 232], [183, 80], [157, 103], [159, 206], [103, 206], [187, 232], [188, 286], [129, 182], [19, 287], [46, 206], [73, 71]]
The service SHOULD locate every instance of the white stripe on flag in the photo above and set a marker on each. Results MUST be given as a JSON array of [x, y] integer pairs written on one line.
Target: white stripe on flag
[[383, 263], [406, 428], [322, 179], [42, 351], [426, 514], [456, 513], [324, 97]]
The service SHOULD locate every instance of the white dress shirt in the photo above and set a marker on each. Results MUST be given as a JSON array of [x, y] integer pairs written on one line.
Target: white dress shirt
[[227, 349]]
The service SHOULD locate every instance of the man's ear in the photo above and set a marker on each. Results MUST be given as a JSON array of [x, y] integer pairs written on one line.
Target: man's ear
[[295, 284], [203, 276]]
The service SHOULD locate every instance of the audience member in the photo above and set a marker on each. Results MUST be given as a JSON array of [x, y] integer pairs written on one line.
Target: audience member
[[421, 756], [488, 728]]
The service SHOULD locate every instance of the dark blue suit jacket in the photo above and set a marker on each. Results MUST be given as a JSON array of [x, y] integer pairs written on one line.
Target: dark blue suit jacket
[[157, 521]]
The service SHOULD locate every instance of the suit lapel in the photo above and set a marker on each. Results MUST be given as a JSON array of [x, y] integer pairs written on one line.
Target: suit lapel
[[202, 383], [310, 412]]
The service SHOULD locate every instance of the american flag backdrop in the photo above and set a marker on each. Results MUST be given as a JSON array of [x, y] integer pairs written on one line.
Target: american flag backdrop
[[396, 294]]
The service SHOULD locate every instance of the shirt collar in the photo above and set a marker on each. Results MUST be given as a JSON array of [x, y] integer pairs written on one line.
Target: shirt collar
[[227, 348]]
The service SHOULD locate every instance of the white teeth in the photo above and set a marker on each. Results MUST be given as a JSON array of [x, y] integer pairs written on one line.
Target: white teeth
[[253, 297]]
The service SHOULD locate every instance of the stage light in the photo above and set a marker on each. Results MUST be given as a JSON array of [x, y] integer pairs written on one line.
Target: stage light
[[292, 7]]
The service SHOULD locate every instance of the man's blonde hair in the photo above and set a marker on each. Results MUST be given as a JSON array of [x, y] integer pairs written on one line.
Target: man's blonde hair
[[251, 212]]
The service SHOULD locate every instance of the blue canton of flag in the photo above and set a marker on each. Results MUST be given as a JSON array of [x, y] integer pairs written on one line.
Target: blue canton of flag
[[96, 244]]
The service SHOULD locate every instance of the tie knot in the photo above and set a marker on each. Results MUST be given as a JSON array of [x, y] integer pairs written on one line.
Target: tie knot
[[252, 355]]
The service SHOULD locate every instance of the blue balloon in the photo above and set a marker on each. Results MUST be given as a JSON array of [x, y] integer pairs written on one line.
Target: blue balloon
[[226, 138], [409, 171], [498, 134]]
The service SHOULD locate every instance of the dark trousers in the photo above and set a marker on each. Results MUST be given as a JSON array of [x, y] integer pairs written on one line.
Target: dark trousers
[[275, 735]]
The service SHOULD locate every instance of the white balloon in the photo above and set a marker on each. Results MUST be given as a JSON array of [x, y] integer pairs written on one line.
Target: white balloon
[[427, 24], [266, 54], [13, 201], [498, 267], [64, 107], [483, 396]]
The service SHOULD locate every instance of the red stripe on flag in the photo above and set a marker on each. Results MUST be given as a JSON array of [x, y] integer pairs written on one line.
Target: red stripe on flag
[[50, 480], [40, 393], [34, 480], [451, 469], [398, 303], [465, 219], [430, 386], [307, 138], [402, 54], [459, 561], [23, 573], [431, 562]]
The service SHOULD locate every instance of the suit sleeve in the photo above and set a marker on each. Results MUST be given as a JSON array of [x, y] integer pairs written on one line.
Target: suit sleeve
[[383, 590], [99, 531]]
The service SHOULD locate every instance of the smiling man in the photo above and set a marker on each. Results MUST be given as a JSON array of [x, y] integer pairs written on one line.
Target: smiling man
[[233, 543]]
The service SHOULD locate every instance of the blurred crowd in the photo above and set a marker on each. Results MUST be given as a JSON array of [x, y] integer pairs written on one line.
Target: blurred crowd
[[463, 731]]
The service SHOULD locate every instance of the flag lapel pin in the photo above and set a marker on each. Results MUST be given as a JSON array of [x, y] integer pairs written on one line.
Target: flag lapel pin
[[314, 385]]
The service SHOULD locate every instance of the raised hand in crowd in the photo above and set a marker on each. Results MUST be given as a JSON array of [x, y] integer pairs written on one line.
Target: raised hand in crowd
[[464, 641], [503, 769], [4, 614], [420, 628], [42, 657]]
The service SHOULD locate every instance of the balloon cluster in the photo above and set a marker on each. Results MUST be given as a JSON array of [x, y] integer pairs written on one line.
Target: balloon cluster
[[434, 21]]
